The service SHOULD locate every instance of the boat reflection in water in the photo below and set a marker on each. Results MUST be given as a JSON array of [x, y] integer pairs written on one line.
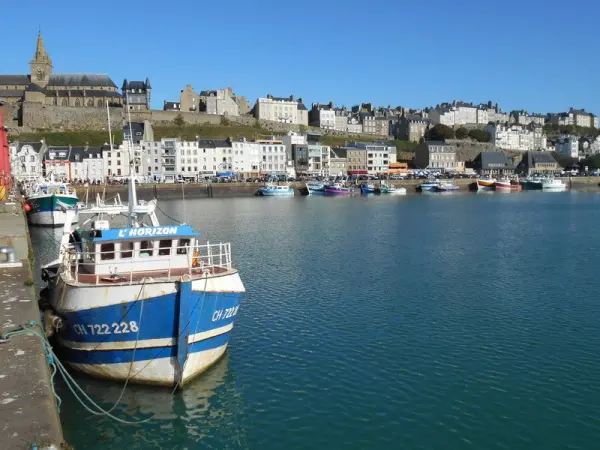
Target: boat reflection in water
[[207, 410]]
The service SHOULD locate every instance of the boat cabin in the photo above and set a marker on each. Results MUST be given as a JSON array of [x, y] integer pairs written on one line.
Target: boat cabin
[[54, 189], [107, 251]]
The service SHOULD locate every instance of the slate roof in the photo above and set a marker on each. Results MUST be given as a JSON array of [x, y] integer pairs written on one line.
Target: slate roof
[[134, 85], [35, 88], [213, 143], [540, 157], [11, 93], [18, 80], [340, 152], [495, 160], [36, 145], [301, 107], [208, 93], [171, 105], [80, 79]]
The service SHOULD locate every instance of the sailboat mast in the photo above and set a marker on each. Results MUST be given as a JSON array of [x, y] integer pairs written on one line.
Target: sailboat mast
[[132, 197]]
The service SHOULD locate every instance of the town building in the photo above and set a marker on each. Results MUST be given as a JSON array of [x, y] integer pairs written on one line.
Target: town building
[[44, 87], [151, 160], [292, 138], [357, 161], [138, 132], [461, 113], [522, 117], [171, 106], [576, 117], [493, 163], [273, 155], [369, 157], [353, 124], [410, 127], [26, 159], [281, 109], [568, 145], [137, 94], [516, 137], [436, 155], [338, 162], [537, 162], [318, 159], [87, 164], [540, 140], [341, 119], [189, 100], [115, 162], [220, 102], [322, 116], [589, 145]]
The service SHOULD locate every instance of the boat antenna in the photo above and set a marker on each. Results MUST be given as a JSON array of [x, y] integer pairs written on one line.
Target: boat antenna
[[132, 192]]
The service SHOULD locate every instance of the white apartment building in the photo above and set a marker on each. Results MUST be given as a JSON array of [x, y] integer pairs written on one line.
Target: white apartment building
[[274, 158], [459, 113], [151, 160], [353, 125], [292, 138], [322, 116], [341, 119], [247, 157], [379, 155], [577, 117], [87, 164], [568, 146], [515, 137], [281, 109], [25, 160], [318, 159], [524, 118], [115, 162]]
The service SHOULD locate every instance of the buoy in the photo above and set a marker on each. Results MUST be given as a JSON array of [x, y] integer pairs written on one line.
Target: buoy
[[27, 207]]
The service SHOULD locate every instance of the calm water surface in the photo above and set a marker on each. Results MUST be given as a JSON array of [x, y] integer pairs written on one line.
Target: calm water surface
[[424, 322]]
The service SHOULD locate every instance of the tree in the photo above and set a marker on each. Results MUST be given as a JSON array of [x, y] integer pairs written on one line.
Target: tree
[[179, 120], [303, 128], [480, 135], [440, 133], [225, 121], [564, 161], [462, 133], [592, 162]]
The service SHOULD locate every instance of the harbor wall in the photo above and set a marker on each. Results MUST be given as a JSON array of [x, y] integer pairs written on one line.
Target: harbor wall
[[28, 412], [178, 191]]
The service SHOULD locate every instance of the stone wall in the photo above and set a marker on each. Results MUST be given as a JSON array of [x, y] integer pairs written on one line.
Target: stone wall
[[37, 116]]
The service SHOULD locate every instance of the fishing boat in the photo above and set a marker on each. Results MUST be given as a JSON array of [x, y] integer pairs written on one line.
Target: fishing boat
[[429, 185], [553, 185], [140, 302], [533, 183], [338, 189], [314, 187], [46, 201], [392, 190], [507, 185], [446, 186], [276, 190], [368, 189], [485, 184]]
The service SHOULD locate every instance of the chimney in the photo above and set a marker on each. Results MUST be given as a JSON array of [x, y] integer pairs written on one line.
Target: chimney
[[300, 100], [331, 105], [291, 98]]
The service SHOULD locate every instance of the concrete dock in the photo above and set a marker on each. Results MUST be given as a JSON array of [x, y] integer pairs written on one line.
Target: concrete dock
[[28, 413]]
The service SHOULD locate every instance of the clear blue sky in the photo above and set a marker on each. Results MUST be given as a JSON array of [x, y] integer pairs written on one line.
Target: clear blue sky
[[532, 54]]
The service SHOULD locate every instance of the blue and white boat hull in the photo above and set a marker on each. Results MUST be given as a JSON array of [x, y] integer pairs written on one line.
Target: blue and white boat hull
[[157, 332]]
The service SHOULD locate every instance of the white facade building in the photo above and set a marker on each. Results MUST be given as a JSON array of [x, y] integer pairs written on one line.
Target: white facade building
[[115, 162], [568, 146], [25, 160], [221, 102], [281, 109], [514, 137], [274, 158], [379, 156]]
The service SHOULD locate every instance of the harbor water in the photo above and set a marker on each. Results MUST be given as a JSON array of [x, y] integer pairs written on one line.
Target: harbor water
[[420, 322]]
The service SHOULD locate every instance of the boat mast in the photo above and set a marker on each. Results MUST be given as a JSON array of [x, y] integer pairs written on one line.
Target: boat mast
[[132, 194]]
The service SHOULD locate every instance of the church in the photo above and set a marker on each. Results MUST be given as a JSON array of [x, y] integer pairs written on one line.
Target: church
[[51, 89]]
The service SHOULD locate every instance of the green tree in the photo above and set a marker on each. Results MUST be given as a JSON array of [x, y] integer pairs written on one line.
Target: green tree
[[565, 161], [480, 135], [592, 162], [179, 120], [303, 128], [462, 133], [440, 133], [225, 121]]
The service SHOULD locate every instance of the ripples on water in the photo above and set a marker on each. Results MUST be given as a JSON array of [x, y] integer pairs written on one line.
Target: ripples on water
[[421, 322]]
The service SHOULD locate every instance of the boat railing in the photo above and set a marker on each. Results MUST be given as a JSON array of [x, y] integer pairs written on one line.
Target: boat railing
[[129, 264]]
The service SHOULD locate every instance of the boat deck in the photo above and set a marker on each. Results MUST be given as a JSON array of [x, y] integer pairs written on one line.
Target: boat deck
[[134, 277]]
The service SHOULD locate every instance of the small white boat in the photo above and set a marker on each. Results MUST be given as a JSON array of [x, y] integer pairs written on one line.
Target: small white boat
[[314, 187], [47, 199], [554, 185], [276, 190], [392, 190]]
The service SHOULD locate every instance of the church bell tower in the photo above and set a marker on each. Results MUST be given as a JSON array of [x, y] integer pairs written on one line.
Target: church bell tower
[[41, 64]]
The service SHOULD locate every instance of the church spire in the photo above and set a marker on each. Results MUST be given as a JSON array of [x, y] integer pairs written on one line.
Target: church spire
[[40, 51]]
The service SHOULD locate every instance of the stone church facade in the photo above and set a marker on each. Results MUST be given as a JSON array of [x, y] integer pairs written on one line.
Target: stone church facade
[[44, 87]]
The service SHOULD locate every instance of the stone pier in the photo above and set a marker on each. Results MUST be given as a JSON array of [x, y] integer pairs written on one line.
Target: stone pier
[[28, 413]]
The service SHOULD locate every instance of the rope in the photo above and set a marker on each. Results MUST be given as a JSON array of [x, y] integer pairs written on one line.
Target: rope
[[32, 328], [168, 216]]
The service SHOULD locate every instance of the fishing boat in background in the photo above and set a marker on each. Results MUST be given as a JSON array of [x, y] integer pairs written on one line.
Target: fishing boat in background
[[368, 189], [483, 184], [552, 184], [507, 184], [428, 185], [46, 201], [446, 186], [315, 187], [392, 190], [276, 190], [339, 189], [532, 182]]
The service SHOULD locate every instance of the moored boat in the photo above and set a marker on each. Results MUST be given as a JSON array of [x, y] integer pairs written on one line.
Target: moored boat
[[485, 184], [276, 190], [553, 184], [428, 185], [392, 190], [507, 185], [339, 189], [368, 189], [532, 183], [315, 187], [47, 200], [446, 186]]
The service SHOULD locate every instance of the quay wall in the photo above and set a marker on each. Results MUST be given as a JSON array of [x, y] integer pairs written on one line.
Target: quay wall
[[224, 190], [28, 412]]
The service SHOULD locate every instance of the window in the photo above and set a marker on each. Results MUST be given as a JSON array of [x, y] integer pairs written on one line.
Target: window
[[164, 247], [182, 247], [146, 249], [100, 103], [107, 251], [65, 102], [90, 102], [126, 250]]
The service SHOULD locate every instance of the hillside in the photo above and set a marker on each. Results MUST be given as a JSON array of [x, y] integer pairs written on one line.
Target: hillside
[[186, 132]]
